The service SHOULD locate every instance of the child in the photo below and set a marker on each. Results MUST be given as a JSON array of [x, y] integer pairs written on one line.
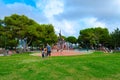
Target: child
[[43, 53]]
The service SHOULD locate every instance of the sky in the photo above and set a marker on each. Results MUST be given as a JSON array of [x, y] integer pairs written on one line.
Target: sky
[[67, 16]]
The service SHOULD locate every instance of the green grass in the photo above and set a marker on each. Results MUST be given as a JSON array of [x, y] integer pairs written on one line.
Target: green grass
[[96, 66]]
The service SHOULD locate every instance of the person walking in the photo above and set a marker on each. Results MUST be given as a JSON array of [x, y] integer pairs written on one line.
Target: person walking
[[48, 50]]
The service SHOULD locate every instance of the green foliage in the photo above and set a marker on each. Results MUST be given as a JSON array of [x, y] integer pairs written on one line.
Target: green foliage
[[2, 37], [49, 34], [71, 39], [94, 36], [64, 37], [18, 24], [115, 38], [18, 27]]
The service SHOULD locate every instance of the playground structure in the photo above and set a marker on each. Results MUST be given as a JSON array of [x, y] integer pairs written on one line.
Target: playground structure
[[62, 44]]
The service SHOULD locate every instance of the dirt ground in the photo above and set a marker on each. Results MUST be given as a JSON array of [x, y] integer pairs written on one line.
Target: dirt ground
[[62, 53]]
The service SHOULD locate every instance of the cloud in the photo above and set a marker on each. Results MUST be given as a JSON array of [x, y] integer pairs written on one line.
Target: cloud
[[67, 27], [22, 9], [54, 7], [50, 8], [73, 15], [92, 22], [92, 13], [69, 16], [102, 9]]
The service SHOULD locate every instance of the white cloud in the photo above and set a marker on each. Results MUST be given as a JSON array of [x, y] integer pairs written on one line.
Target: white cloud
[[92, 22], [54, 7], [69, 16], [108, 10], [22, 9], [66, 27], [50, 8]]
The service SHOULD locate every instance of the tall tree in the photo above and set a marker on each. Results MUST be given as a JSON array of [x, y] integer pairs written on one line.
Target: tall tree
[[50, 36], [94, 36], [72, 39], [20, 27], [115, 38], [2, 38]]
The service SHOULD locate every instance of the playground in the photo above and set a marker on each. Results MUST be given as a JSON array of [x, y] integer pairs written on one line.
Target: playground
[[65, 53]]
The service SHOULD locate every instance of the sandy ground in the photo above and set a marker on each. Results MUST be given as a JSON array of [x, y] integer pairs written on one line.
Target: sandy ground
[[61, 53]]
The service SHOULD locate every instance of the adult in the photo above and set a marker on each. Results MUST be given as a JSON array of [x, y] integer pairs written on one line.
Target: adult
[[48, 50]]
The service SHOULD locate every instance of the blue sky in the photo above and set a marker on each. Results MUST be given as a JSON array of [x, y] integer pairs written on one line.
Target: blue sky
[[69, 16]]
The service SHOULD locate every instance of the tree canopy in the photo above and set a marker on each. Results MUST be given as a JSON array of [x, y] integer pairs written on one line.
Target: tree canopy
[[71, 39], [115, 38], [94, 36], [20, 27]]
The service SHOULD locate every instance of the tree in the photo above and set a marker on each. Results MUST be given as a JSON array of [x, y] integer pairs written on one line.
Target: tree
[[87, 37], [72, 39], [115, 38], [45, 34], [1, 34], [65, 38], [103, 36], [50, 36], [20, 27], [94, 36]]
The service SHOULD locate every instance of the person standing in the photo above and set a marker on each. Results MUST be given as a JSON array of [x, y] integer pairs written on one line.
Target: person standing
[[48, 50], [43, 54]]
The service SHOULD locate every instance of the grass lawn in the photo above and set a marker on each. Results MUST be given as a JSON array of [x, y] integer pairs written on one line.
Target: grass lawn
[[96, 66]]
